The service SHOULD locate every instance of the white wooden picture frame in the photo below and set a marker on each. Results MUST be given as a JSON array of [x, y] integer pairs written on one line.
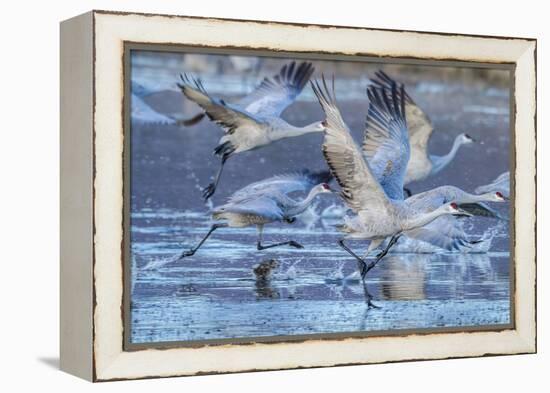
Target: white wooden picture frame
[[92, 194]]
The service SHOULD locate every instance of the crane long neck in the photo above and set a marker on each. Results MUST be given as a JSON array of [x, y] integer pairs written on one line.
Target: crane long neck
[[473, 198], [441, 162], [292, 131], [421, 219], [302, 205]]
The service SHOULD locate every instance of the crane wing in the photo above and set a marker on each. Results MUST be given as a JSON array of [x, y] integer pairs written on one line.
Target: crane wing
[[277, 92], [420, 125], [480, 209], [428, 200], [445, 232], [386, 138], [360, 189], [141, 112], [501, 184], [228, 116], [263, 206], [302, 181]]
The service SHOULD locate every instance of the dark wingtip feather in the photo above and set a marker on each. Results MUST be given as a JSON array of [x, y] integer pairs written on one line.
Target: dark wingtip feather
[[383, 80], [301, 75], [403, 111], [187, 82], [191, 121], [395, 100], [387, 100], [319, 92]]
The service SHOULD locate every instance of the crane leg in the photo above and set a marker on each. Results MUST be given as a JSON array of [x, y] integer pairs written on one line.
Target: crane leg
[[362, 267], [287, 243], [260, 246], [345, 247], [194, 249], [393, 240], [368, 296], [211, 188]]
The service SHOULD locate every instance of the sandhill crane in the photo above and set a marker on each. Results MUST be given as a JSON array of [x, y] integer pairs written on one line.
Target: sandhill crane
[[142, 112], [421, 164], [500, 184], [446, 232], [253, 121], [265, 202], [245, 65], [378, 217], [386, 153]]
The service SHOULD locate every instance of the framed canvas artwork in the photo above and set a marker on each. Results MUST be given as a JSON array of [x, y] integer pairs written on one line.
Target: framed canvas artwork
[[245, 195]]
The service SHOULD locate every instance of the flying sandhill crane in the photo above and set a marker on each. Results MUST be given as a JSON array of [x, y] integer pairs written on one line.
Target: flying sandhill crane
[[253, 121], [268, 201], [446, 232], [500, 184], [422, 164], [386, 151], [378, 217], [245, 65], [142, 112]]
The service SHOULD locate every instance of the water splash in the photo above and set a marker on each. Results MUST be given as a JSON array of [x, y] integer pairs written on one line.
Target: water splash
[[353, 277], [334, 211], [290, 273], [407, 245], [310, 217], [209, 205], [156, 264], [337, 276]]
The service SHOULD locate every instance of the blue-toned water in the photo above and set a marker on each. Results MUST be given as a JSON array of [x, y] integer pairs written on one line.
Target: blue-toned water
[[215, 294]]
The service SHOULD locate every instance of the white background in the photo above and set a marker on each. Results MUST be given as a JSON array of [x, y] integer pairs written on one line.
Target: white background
[[29, 197]]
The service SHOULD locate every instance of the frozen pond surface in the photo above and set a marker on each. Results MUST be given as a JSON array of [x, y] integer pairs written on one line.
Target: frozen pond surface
[[215, 294]]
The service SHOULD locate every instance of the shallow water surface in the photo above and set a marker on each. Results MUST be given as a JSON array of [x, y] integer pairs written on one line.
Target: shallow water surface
[[215, 293]]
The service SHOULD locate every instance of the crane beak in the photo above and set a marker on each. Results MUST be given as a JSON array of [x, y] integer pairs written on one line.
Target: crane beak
[[463, 213]]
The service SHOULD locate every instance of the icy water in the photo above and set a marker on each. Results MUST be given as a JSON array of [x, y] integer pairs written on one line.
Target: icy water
[[216, 295]]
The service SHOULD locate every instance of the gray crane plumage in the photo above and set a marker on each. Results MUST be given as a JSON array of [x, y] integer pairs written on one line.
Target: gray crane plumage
[[378, 217], [141, 112], [446, 232], [422, 164], [254, 120], [268, 201], [500, 184], [386, 143], [288, 183], [386, 149]]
